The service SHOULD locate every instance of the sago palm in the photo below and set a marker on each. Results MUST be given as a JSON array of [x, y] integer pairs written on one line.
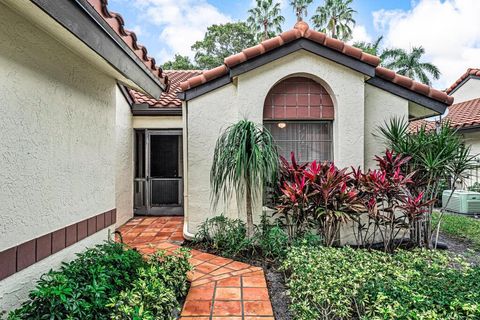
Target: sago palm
[[245, 159], [335, 18], [300, 7], [265, 19], [409, 64]]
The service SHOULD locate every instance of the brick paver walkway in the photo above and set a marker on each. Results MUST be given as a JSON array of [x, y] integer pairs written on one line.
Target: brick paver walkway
[[221, 288]]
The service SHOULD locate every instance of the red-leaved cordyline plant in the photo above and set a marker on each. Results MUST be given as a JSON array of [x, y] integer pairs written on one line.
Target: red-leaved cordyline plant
[[320, 194]]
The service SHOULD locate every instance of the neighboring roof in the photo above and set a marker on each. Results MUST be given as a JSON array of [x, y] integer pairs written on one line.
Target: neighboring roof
[[462, 115], [471, 72], [167, 99], [302, 31], [116, 22]]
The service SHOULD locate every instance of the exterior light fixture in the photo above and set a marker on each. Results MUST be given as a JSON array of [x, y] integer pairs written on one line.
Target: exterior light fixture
[[282, 125]]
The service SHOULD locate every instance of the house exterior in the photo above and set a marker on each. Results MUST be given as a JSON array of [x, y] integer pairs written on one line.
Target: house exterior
[[464, 116], [94, 132], [62, 128]]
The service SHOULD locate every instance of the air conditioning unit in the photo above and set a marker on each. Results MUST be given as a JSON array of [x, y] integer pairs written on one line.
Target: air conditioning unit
[[462, 201]]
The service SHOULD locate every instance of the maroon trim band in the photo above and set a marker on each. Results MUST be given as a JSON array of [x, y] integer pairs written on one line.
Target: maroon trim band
[[24, 255]]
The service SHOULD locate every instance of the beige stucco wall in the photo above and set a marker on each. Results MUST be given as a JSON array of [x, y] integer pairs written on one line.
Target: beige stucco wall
[[124, 168], [14, 289], [58, 134], [471, 139], [380, 106], [160, 122], [57, 145], [468, 91], [209, 114]]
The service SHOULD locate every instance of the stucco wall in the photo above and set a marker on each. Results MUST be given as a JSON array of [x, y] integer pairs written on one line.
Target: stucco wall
[[468, 91], [214, 111], [14, 289], [124, 168], [380, 106], [58, 134], [163, 122], [472, 139]]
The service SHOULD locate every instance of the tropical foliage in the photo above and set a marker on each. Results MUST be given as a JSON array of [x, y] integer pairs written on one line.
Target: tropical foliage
[[335, 18], [300, 7], [109, 282], [245, 160], [333, 283], [410, 64], [221, 41], [265, 20], [436, 156]]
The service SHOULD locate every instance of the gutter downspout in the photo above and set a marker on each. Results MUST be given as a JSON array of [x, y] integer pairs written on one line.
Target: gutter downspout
[[187, 235]]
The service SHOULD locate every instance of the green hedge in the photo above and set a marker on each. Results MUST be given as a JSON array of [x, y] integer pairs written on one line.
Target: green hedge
[[92, 285], [331, 283]]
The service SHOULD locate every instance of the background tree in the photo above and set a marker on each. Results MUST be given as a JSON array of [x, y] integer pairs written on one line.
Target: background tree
[[265, 19], [179, 62], [221, 41], [300, 7], [335, 18], [245, 158], [409, 64], [370, 47]]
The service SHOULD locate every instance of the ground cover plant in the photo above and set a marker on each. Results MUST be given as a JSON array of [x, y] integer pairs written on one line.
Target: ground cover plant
[[109, 281], [343, 283]]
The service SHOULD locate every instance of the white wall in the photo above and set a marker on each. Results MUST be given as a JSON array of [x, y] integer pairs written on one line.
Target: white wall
[[209, 114], [380, 106], [124, 169], [58, 134], [468, 91], [14, 289]]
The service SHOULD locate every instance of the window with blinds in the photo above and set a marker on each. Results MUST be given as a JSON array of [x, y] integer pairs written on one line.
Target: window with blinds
[[309, 140]]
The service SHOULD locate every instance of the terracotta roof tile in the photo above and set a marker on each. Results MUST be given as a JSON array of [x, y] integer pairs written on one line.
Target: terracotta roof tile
[[461, 115], [470, 72], [167, 99], [116, 22], [302, 30]]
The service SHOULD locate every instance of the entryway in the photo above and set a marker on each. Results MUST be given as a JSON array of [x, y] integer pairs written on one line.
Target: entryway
[[158, 184]]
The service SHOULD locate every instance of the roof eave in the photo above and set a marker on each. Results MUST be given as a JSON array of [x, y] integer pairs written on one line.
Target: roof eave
[[427, 102], [147, 110], [84, 22]]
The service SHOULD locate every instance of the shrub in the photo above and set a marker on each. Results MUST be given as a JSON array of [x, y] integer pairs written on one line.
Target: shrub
[[331, 283], [226, 236], [271, 240], [81, 288], [156, 291], [90, 286]]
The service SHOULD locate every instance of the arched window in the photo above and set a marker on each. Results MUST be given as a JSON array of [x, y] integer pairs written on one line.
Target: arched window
[[299, 113]]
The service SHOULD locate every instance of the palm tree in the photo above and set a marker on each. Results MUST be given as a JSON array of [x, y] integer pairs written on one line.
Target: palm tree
[[335, 18], [300, 7], [265, 19], [409, 64], [245, 159], [370, 47]]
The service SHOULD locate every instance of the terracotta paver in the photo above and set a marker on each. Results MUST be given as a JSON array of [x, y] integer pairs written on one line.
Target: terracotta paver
[[220, 288]]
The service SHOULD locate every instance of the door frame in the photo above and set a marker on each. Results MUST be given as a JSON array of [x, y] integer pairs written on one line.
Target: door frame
[[167, 210]]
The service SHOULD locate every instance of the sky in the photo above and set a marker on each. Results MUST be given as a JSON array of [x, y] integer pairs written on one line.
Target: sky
[[449, 30]]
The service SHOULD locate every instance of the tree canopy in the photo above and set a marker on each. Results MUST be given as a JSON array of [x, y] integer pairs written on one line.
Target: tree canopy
[[335, 18], [221, 41], [265, 19], [179, 62]]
